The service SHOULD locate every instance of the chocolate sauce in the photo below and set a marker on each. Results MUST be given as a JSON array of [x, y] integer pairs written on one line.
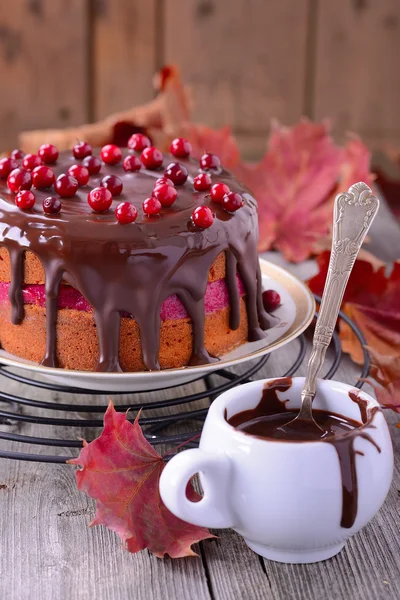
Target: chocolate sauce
[[134, 268], [271, 413]]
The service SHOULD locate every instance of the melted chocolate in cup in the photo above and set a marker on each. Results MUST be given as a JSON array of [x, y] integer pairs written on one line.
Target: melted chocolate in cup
[[341, 432]]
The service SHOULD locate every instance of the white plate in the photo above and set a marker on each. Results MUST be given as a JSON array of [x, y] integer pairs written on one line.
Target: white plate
[[295, 314]]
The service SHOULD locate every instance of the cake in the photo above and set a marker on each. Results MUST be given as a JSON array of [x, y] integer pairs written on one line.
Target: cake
[[95, 277]]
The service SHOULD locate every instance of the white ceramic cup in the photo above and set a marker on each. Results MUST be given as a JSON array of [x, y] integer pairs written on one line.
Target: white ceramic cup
[[284, 498]]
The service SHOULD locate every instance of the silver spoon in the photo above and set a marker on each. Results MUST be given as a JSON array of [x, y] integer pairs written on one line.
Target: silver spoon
[[353, 214]]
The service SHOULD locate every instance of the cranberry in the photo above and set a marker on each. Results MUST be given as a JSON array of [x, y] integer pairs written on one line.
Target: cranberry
[[165, 193], [152, 157], [176, 173], [232, 201], [30, 161], [203, 217], [42, 177], [138, 142], [48, 153], [25, 199], [82, 150], [112, 183], [210, 162], [180, 148], [66, 186], [17, 154], [6, 166], [19, 179], [111, 154], [162, 180], [80, 173], [271, 300], [131, 163], [51, 205], [126, 213], [218, 191], [151, 206], [202, 182], [100, 199], [93, 164]]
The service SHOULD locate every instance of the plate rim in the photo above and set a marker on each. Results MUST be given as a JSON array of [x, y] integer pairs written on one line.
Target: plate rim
[[295, 330]]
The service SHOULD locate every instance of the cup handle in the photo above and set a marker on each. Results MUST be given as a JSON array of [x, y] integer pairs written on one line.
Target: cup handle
[[213, 509]]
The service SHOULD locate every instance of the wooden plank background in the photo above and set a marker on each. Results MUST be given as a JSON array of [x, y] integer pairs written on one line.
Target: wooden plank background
[[65, 62]]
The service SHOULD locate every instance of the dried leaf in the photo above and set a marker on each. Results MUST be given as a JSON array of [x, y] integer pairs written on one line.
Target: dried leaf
[[372, 301], [293, 185], [121, 471], [386, 371]]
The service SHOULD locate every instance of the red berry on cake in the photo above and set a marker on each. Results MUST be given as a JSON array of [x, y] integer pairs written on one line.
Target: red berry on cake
[[80, 173], [19, 179], [48, 153], [132, 163], [111, 154], [152, 157], [30, 161], [271, 300], [180, 148], [100, 199], [177, 173], [112, 183], [203, 217], [210, 162], [166, 194], [126, 213], [151, 206], [82, 150], [162, 180], [202, 182], [66, 186], [218, 191], [51, 205], [93, 164], [42, 177], [25, 199], [6, 166], [232, 202], [138, 142], [17, 154]]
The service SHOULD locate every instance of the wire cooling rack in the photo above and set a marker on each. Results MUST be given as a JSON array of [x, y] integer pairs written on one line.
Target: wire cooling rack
[[19, 408]]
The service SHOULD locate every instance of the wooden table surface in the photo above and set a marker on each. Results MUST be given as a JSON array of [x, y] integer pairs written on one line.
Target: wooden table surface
[[47, 551]]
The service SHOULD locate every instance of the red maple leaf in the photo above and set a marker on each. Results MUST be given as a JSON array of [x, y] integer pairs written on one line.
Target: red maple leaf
[[372, 301], [386, 371], [293, 186], [121, 471]]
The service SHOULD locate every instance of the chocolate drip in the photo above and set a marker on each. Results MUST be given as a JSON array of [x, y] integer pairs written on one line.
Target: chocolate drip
[[341, 432], [15, 289], [133, 268], [231, 281], [344, 447], [53, 280], [108, 325]]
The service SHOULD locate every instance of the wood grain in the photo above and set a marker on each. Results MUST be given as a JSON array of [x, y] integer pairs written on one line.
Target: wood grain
[[43, 66], [125, 53], [246, 64], [356, 81]]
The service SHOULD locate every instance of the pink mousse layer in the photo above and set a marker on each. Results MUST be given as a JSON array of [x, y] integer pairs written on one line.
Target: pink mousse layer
[[216, 298]]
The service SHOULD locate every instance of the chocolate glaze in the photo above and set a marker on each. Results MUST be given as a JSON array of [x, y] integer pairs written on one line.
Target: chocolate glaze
[[341, 432], [133, 268]]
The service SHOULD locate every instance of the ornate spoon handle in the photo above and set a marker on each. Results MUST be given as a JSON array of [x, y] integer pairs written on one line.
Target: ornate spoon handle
[[353, 214]]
